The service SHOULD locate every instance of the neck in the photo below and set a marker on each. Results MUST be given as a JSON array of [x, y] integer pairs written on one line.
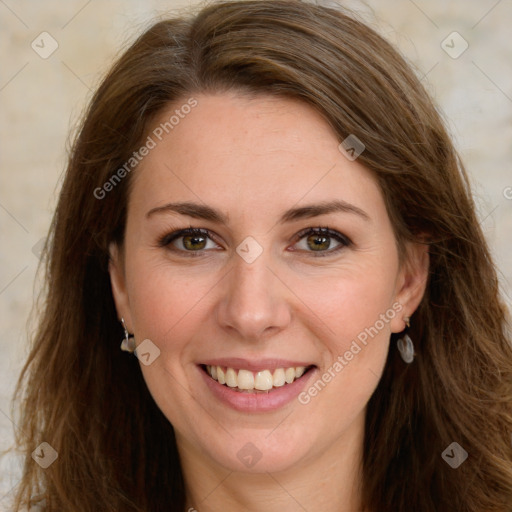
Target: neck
[[329, 480]]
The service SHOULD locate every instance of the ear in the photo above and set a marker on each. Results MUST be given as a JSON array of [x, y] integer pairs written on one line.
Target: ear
[[411, 282], [118, 283]]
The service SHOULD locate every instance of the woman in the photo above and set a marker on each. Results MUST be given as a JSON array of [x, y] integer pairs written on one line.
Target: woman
[[264, 206]]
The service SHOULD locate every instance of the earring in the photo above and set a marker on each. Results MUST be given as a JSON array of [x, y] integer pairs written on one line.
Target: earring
[[128, 344], [405, 345]]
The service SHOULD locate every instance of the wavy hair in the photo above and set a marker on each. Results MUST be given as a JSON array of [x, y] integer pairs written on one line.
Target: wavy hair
[[88, 400]]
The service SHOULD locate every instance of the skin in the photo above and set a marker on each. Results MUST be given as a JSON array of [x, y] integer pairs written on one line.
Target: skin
[[254, 158]]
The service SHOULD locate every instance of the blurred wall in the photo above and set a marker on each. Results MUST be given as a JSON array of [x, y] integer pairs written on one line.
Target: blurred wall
[[53, 54]]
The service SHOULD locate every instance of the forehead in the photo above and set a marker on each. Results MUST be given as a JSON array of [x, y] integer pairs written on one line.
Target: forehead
[[239, 153]]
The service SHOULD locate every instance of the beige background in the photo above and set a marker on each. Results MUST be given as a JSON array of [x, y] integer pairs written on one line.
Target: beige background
[[41, 100]]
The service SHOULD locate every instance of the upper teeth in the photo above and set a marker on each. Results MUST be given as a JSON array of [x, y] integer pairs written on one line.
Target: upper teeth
[[262, 380]]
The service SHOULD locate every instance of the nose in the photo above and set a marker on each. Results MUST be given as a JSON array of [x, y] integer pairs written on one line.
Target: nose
[[255, 301]]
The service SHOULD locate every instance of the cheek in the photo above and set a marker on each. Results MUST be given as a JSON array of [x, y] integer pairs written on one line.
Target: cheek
[[359, 309], [165, 305], [351, 301], [358, 312], [163, 299]]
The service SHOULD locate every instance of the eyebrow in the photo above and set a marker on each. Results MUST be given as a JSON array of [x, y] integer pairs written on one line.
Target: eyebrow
[[199, 211]]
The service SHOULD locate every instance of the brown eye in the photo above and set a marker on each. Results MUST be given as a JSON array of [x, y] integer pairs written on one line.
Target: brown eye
[[321, 240], [318, 242], [194, 242]]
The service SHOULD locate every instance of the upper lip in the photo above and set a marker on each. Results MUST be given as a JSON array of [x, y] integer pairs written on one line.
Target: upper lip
[[255, 365]]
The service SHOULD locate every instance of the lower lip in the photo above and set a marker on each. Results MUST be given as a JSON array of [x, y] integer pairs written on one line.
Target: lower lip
[[257, 402]]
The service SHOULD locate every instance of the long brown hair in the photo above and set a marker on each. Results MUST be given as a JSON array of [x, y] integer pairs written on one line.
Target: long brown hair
[[88, 400]]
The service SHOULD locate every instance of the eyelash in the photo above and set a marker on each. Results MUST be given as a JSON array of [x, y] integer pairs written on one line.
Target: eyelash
[[166, 240]]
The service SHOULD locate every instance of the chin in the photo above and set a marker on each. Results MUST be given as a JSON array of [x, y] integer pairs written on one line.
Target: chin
[[261, 453]]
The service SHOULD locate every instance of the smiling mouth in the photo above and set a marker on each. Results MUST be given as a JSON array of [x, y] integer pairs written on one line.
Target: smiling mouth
[[246, 381]]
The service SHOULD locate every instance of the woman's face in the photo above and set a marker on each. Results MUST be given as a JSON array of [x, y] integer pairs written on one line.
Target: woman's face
[[255, 292]]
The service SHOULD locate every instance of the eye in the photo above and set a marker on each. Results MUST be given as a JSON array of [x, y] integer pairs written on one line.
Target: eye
[[192, 240], [319, 241]]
